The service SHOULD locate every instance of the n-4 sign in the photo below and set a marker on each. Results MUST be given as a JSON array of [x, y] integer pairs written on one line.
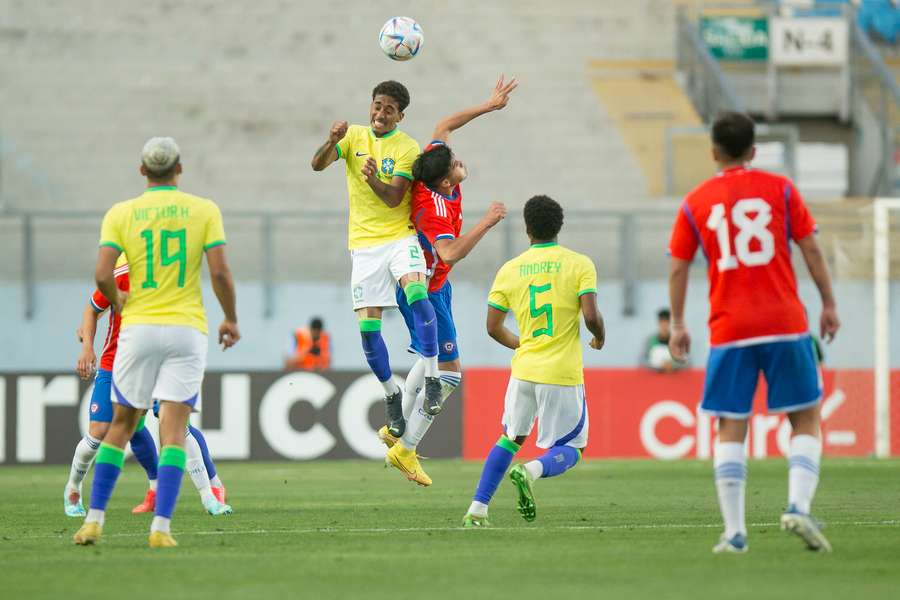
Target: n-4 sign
[[808, 41]]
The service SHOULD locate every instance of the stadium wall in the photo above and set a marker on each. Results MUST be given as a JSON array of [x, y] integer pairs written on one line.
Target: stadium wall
[[303, 416]]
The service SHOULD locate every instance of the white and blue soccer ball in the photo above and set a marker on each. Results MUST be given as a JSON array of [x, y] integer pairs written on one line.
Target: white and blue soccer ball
[[401, 38]]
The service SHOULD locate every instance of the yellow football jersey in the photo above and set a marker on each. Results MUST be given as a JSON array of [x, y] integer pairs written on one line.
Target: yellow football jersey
[[372, 222], [542, 287], [163, 234]]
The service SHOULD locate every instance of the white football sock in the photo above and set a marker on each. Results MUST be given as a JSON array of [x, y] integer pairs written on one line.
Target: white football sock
[[152, 483], [803, 470], [415, 380], [196, 469], [431, 366], [730, 464], [160, 524], [535, 469], [216, 482], [84, 455], [390, 386], [95, 515], [419, 421], [479, 509]]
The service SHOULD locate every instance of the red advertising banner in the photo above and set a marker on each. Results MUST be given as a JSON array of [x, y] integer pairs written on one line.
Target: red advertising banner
[[635, 413]]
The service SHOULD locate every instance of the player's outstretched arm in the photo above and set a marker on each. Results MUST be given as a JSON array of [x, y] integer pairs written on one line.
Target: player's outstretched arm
[[327, 152], [498, 331], [498, 100], [86, 332], [453, 251], [680, 339], [829, 323], [593, 319], [223, 286]]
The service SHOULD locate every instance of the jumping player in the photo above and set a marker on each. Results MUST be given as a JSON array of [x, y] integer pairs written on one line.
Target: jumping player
[[101, 410], [546, 288], [163, 342], [437, 216], [383, 244], [744, 221]]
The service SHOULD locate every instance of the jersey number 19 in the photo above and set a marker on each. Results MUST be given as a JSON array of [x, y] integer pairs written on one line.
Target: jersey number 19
[[166, 257]]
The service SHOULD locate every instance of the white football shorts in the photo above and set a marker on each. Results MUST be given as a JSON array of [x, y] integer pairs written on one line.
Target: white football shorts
[[159, 362], [561, 412], [377, 269]]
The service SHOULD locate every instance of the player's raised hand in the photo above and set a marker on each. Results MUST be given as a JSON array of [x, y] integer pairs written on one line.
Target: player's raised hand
[[496, 213], [679, 342], [87, 362], [370, 169], [338, 131], [229, 334], [829, 323], [500, 96]]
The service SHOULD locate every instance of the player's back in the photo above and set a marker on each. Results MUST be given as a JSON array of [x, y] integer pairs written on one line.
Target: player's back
[[744, 220], [164, 233], [542, 287]]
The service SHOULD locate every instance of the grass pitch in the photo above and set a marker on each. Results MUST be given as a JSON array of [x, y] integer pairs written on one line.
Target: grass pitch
[[617, 529]]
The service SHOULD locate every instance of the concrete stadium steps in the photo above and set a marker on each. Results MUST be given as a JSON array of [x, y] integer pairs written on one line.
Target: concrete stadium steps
[[644, 99], [250, 90]]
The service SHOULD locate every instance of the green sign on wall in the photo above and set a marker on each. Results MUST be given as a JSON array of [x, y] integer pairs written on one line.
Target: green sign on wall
[[736, 38]]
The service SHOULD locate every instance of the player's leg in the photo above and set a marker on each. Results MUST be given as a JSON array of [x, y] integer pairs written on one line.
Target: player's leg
[[563, 431], [731, 377], [101, 413], [519, 411], [196, 469], [795, 387], [144, 448], [218, 488]]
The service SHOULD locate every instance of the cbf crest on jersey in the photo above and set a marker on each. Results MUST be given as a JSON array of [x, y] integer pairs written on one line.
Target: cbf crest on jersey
[[387, 166]]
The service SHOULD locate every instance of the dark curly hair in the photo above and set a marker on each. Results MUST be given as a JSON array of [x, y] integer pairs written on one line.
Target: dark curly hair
[[433, 165], [543, 218], [395, 90], [733, 133]]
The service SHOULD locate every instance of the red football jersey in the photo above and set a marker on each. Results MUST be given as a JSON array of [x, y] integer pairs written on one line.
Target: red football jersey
[[108, 355], [744, 221], [435, 217]]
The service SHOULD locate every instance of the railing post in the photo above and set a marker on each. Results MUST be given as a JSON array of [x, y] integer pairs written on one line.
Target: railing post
[[267, 245], [628, 263], [28, 265]]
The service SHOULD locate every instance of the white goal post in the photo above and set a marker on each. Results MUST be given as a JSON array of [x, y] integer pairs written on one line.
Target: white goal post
[[882, 208]]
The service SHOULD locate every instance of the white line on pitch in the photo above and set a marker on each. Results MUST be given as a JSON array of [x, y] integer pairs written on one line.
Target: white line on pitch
[[331, 530]]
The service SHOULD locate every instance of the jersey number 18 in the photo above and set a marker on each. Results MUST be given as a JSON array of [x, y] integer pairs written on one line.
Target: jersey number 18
[[748, 229]]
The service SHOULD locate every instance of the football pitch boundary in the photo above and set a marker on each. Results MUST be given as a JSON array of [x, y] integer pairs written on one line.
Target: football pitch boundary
[[381, 530]]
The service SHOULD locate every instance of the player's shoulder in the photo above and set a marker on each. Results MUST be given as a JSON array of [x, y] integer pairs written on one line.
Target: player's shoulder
[[200, 204], [576, 257], [403, 139]]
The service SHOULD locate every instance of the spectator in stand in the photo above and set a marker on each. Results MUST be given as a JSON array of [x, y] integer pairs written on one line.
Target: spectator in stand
[[310, 348], [656, 351]]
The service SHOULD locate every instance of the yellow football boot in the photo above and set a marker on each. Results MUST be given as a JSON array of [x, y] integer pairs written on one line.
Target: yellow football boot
[[386, 438], [88, 534], [408, 463], [158, 539]]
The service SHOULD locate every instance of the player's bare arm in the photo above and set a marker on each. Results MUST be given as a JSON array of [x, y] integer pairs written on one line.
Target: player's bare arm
[[829, 323], [497, 330], [390, 193], [593, 320], [87, 359], [680, 339], [498, 100], [327, 152], [223, 286], [106, 279], [453, 251]]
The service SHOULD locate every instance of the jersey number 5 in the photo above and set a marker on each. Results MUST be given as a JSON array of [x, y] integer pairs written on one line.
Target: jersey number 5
[[544, 309], [166, 258], [748, 229]]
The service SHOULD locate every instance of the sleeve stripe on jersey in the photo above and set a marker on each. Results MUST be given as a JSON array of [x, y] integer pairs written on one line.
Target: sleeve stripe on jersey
[[403, 175], [498, 307], [440, 207], [436, 143], [338, 148], [693, 224], [445, 236], [112, 245], [587, 291], [213, 244], [96, 308]]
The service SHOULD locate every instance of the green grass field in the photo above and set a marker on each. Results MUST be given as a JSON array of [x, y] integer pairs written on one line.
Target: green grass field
[[622, 529]]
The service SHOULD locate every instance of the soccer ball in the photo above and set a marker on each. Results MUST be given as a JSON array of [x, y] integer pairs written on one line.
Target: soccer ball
[[401, 38]]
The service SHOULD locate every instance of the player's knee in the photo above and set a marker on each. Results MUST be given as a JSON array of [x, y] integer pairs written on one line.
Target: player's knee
[[415, 291], [98, 429]]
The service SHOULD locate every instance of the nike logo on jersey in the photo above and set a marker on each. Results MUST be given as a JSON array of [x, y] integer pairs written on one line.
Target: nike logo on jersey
[[361, 154], [428, 323]]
